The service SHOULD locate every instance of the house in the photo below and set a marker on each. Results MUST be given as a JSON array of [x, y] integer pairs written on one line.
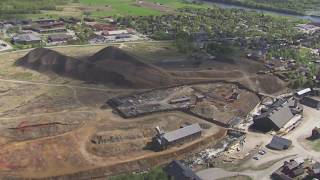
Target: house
[[274, 118], [315, 133], [311, 102], [279, 143], [177, 171], [44, 21], [71, 20], [52, 25], [314, 170], [59, 38], [125, 32], [293, 168], [290, 169], [25, 39], [164, 140], [103, 27]]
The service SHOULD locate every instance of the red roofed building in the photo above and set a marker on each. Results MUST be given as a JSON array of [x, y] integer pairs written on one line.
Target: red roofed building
[[104, 27]]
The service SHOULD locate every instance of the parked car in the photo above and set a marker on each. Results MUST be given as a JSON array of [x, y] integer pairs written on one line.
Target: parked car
[[256, 157], [262, 152]]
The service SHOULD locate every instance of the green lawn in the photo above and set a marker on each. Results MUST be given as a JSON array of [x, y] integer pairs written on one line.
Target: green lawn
[[128, 7], [315, 144]]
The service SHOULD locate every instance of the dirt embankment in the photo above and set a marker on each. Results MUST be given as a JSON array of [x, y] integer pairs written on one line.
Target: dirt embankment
[[110, 65], [113, 65]]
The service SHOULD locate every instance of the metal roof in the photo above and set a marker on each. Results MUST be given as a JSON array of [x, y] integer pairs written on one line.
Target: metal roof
[[182, 132], [281, 115], [279, 143], [27, 37], [304, 91]]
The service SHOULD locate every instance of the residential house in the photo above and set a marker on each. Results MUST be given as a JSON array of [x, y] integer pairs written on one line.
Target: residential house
[[59, 38], [290, 169], [25, 39], [279, 143], [177, 171], [314, 170], [103, 27]]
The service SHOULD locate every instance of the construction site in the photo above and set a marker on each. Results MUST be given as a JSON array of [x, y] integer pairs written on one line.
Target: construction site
[[220, 103], [94, 112]]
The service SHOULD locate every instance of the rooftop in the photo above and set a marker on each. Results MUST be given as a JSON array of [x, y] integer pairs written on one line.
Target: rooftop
[[182, 132], [180, 172]]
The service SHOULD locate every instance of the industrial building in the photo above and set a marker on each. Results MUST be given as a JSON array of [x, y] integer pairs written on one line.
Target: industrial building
[[279, 143], [165, 140], [177, 171], [277, 115], [311, 102]]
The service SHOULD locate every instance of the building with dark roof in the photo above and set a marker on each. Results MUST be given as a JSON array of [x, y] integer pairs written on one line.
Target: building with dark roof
[[44, 21], [59, 38], [26, 39], [46, 31], [290, 169], [177, 171], [164, 140], [311, 102], [279, 143], [277, 115], [51, 25], [315, 133], [314, 170]]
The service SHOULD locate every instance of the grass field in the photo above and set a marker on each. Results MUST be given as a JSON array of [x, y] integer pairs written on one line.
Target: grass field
[[315, 144], [96, 8], [129, 7]]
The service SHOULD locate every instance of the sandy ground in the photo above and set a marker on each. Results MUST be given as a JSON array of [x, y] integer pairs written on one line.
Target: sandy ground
[[303, 131]]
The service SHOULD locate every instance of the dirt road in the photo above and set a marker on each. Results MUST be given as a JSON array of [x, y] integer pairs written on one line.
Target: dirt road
[[303, 131]]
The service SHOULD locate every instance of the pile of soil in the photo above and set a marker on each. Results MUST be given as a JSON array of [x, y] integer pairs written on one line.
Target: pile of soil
[[110, 65]]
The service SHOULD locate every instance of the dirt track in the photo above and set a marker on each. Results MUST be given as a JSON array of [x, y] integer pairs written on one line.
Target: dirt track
[[52, 149]]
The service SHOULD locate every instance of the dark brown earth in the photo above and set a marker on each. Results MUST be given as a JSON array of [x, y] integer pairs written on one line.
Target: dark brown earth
[[110, 65], [115, 66]]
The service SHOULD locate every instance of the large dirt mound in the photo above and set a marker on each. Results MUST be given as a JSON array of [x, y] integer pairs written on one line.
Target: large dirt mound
[[110, 65], [116, 60], [44, 59]]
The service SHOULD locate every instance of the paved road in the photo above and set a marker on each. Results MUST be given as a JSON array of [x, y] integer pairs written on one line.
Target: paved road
[[301, 132]]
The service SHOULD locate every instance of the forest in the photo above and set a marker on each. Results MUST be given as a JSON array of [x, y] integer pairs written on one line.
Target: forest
[[299, 7]]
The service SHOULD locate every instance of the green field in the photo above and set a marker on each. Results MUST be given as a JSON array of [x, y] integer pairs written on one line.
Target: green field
[[95, 8], [128, 7], [315, 144]]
